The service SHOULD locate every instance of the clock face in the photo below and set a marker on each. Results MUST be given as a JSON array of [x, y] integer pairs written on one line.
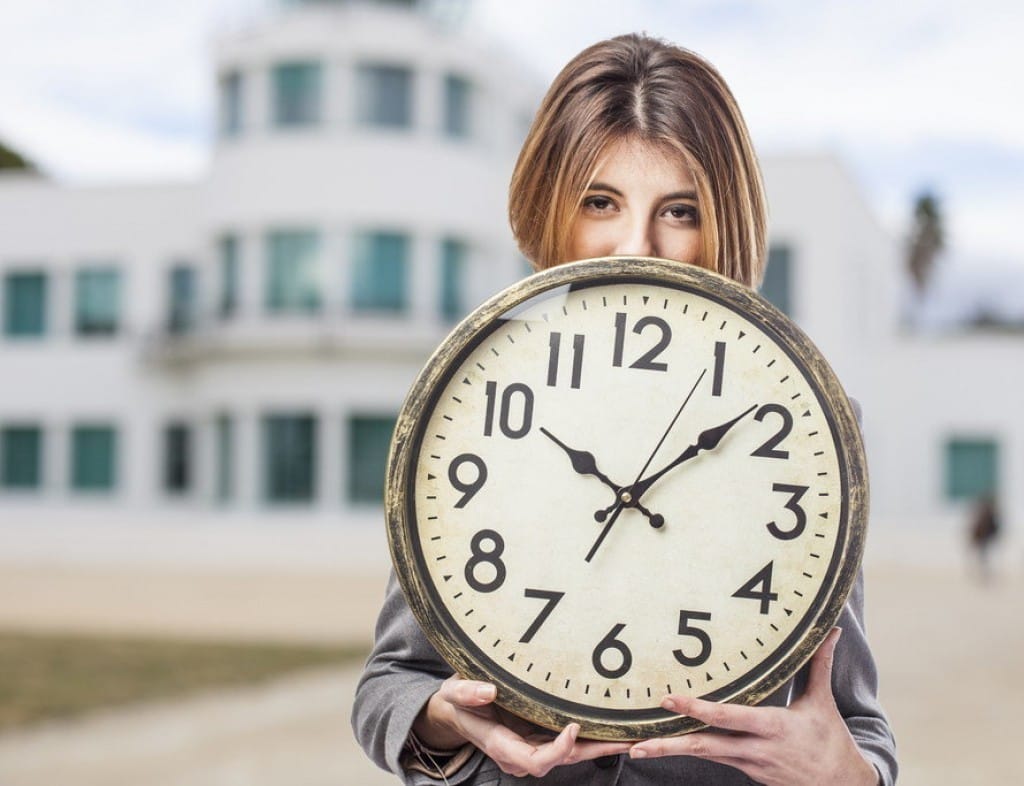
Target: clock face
[[625, 478]]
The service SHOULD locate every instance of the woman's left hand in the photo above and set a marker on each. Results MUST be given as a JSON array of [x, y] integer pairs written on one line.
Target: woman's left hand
[[805, 743]]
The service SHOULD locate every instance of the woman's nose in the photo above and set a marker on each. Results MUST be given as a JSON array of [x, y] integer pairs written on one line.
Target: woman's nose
[[637, 240]]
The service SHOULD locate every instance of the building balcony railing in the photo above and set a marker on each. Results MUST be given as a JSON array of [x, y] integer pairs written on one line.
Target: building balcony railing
[[323, 332]]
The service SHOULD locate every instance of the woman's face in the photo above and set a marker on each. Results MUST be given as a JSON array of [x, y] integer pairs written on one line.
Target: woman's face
[[642, 202]]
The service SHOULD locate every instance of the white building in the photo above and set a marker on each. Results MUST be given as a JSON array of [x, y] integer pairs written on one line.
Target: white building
[[193, 369]]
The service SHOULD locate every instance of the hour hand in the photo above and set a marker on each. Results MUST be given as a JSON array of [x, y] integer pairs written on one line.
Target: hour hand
[[707, 440], [583, 462]]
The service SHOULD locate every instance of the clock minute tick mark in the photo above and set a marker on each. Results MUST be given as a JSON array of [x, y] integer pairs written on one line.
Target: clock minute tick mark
[[527, 326], [448, 418], [495, 352], [480, 366], [481, 629], [808, 575], [755, 349], [456, 399], [773, 627], [784, 378], [704, 317], [798, 593], [794, 398], [722, 326], [772, 363]]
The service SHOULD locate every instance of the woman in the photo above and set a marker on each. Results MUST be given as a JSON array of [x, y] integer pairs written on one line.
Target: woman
[[637, 149]]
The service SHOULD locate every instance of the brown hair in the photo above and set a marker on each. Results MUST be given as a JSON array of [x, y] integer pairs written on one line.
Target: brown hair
[[638, 86]]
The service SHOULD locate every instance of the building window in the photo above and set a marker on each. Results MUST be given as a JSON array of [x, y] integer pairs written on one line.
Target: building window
[[972, 468], [289, 454], [177, 458], [224, 434], [457, 106], [229, 275], [453, 271], [97, 301], [231, 106], [381, 270], [93, 458], [369, 439], [25, 304], [21, 457], [181, 312], [384, 96], [777, 286], [297, 94], [292, 280]]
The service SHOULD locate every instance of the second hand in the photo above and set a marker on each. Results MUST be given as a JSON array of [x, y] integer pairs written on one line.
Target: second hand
[[625, 496]]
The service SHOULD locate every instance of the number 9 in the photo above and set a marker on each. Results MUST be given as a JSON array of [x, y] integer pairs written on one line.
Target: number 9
[[469, 489]]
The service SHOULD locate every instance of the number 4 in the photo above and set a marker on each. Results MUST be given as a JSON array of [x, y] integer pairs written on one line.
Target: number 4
[[759, 588]]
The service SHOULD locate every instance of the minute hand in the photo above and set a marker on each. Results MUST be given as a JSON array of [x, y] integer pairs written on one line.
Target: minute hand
[[708, 440]]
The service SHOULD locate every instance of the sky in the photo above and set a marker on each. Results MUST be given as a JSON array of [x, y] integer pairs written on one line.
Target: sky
[[912, 96]]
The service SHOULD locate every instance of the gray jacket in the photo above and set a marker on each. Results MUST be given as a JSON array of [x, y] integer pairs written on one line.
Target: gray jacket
[[404, 670]]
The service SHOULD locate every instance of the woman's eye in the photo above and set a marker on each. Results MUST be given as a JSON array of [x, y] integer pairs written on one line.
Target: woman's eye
[[682, 212], [597, 203]]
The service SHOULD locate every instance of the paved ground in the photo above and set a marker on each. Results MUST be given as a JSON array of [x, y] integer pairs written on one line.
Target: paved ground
[[950, 652]]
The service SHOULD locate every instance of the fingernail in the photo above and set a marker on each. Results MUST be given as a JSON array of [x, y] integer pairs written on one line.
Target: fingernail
[[637, 753], [669, 704], [485, 692], [574, 731]]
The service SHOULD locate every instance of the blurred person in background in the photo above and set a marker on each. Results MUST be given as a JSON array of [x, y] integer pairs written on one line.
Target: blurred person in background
[[982, 535], [638, 149]]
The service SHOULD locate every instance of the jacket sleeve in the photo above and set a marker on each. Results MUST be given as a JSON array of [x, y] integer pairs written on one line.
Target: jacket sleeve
[[855, 688], [401, 674]]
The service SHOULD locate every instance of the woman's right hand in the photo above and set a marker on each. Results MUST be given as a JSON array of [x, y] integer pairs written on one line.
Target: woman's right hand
[[463, 711]]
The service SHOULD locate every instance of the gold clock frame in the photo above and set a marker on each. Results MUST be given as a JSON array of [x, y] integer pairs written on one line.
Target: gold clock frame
[[434, 375]]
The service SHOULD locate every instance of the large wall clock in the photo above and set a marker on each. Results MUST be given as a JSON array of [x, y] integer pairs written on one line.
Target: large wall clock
[[624, 477]]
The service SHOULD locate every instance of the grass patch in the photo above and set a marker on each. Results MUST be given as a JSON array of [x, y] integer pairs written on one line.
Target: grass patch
[[43, 677]]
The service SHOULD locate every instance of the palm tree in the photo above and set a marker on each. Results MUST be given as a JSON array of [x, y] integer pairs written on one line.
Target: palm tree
[[926, 240], [12, 159]]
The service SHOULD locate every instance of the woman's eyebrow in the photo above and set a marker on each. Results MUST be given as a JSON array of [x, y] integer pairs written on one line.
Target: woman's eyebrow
[[604, 187], [681, 195]]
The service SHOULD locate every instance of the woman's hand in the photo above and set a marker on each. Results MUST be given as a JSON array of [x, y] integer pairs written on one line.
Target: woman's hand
[[805, 743], [462, 711]]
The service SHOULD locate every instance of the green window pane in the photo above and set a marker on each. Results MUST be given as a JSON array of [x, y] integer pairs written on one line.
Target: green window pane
[[457, 106], [93, 458], [777, 285], [369, 441], [229, 275], [289, 454], [224, 427], [384, 96], [25, 304], [97, 301], [21, 457], [292, 276], [296, 94], [972, 468], [183, 307], [231, 106], [177, 458], [453, 270], [381, 265]]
